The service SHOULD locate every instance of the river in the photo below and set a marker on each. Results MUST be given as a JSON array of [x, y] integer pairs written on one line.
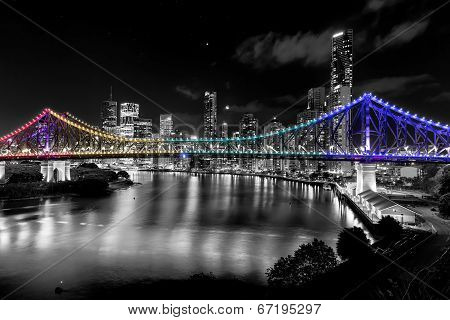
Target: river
[[169, 226]]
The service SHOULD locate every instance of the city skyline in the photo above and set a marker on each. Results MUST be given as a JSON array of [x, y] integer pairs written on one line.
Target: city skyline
[[223, 60]]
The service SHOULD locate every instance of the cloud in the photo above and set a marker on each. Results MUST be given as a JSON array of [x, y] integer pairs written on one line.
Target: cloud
[[390, 85], [376, 5], [441, 97], [251, 107], [406, 36], [187, 92], [272, 50], [287, 98]]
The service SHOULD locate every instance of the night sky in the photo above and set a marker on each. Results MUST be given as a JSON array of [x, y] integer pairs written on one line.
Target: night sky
[[260, 57]]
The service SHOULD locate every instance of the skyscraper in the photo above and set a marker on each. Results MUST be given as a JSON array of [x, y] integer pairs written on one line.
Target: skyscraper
[[165, 125], [143, 128], [248, 126], [109, 115], [341, 68], [316, 99], [341, 89], [210, 115], [274, 141], [223, 130], [128, 115]]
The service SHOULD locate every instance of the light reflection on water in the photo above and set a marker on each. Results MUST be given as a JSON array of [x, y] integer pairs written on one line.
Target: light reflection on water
[[227, 225]]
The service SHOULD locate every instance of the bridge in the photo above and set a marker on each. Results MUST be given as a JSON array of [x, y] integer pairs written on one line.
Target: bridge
[[366, 131]]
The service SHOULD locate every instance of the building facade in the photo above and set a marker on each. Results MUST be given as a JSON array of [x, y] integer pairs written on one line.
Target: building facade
[[128, 115], [109, 117], [248, 126], [341, 67], [316, 99], [223, 130], [210, 115], [143, 128], [165, 125], [341, 92]]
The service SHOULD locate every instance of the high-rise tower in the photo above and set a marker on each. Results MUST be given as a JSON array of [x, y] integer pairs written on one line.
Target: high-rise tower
[[109, 115], [210, 115], [341, 68]]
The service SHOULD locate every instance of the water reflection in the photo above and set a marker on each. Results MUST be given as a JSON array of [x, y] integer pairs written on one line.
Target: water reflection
[[227, 225]]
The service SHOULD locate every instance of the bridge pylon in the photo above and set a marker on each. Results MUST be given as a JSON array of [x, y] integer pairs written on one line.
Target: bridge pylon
[[56, 170], [365, 177], [2, 171]]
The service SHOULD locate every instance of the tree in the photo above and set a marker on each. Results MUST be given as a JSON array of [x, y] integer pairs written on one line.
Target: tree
[[445, 185], [22, 177], [444, 204], [123, 174], [390, 227], [309, 261], [352, 244], [88, 166], [203, 277]]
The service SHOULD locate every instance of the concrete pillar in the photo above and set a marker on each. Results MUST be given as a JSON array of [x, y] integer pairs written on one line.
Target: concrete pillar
[[2, 171], [67, 171], [358, 177], [365, 177], [48, 170], [60, 166], [45, 168]]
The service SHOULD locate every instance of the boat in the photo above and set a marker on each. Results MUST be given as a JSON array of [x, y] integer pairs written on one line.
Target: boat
[[327, 187]]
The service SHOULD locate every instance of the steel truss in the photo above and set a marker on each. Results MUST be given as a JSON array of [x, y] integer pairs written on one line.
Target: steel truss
[[368, 129]]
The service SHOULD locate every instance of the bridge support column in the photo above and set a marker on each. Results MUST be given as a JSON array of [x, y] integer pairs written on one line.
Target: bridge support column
[[2, 171], [365, 177], [45, 168], [67, 170], [55, 171]]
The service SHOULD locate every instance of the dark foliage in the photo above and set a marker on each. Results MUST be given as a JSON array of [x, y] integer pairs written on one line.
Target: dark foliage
[[88, 166], [444, 204], [390, 228], [123, 174], [445, 184], [309, 261], [203, 277], [22, 177], [93, 173], [353, 244]]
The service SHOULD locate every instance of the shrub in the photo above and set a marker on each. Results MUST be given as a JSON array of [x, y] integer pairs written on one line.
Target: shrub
[[88, 166], [23, 177], [390, 227], [202, 277], [123, 174], [444, 204], [308, 261], [353, 244]]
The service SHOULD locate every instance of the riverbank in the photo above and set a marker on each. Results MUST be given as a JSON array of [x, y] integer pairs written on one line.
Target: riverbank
[[24, 181]]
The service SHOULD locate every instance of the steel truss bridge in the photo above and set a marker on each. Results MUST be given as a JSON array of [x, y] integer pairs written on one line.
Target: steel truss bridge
[[366, 130]]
